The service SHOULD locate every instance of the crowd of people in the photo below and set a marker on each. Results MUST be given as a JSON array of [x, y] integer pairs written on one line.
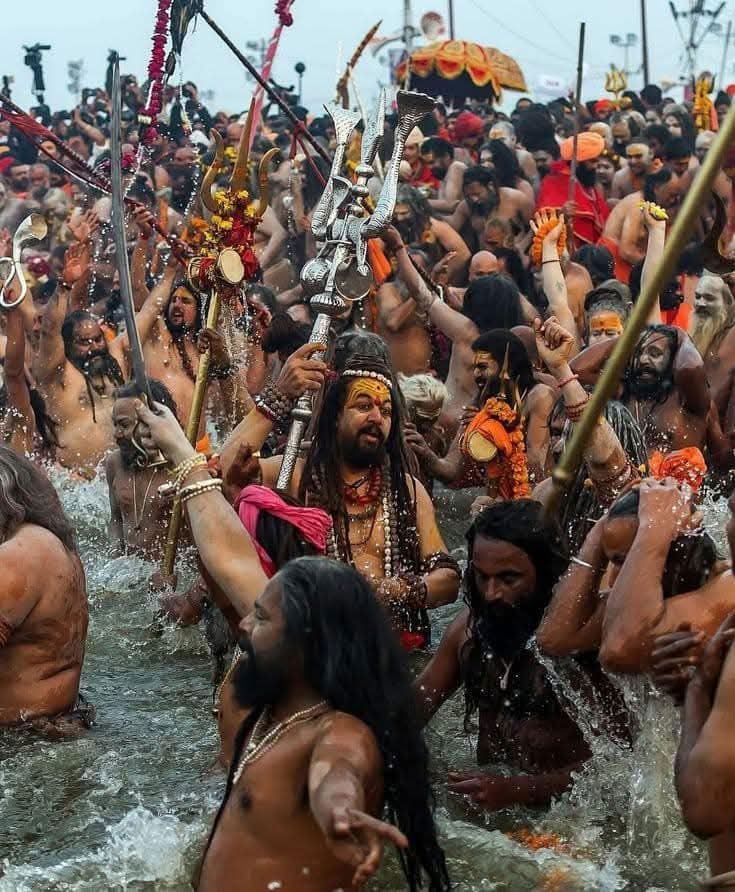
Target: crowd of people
[[516, 252]]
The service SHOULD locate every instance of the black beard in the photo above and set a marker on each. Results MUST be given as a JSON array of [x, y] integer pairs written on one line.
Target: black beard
[[646, 388], [508, 627], [586, 177], [95, 363], [358, 456], [177, 331], [128, 454], [407, 230], [259, 681], [439, 172], [483, 208]]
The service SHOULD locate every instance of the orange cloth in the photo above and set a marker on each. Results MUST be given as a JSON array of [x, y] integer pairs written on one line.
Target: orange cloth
[[679, 317], [589, 145], [204, 445], [378, 262], [684, 465], [622, 267]]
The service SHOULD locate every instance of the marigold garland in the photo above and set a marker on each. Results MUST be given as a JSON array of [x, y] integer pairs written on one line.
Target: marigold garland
[[543, 230], [509, 468]]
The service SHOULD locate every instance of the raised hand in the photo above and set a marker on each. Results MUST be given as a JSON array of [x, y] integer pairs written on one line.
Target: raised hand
[[541, 218], [210, 339], [166, 432], [555, 345], [76, 262], [674, 658], [713, 655], [666, 508], [84, 226], [144, 220], [6, 243], [301, 373]]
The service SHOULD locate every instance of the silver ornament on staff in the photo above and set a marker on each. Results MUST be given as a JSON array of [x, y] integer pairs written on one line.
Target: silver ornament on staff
[[31, 229], [340, 274]]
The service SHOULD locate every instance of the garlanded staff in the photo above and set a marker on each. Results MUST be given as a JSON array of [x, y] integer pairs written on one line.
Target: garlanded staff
[[225, 261], [285, 20], [699, 192], [340, 273], [342, 92]]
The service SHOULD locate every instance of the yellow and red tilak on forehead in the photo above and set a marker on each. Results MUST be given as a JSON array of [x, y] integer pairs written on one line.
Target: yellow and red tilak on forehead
[[370, 385]]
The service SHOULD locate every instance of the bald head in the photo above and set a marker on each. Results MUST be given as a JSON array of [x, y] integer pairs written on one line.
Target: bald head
[[482, 264]]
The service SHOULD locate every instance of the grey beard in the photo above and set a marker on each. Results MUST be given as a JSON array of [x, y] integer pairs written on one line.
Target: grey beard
[[704, 329]]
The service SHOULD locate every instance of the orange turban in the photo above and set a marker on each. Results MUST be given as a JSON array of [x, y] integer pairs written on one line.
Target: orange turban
[[684, 465], [589, 145], [467, 124]]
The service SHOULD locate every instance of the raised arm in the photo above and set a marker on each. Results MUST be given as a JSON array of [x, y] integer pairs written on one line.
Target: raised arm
[[442, 675], [270, 226], [654, 252], [690, 378], [460, 216], [224, 545], [50, 360], [453, 244], [21, 417], [555, 286]]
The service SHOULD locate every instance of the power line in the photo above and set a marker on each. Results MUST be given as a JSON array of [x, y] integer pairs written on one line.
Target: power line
[[522, 37], [564, 38]]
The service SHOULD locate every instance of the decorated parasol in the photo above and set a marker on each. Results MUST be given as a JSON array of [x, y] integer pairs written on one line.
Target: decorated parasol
[[457, 69]]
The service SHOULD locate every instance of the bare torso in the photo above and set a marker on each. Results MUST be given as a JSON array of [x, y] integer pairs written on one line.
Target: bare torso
[[144, 514], [267, 837], [405, 332], [41, 662], [668, 426]]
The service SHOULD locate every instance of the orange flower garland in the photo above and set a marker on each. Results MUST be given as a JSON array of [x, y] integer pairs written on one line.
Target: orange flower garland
[[509, 469], [543, 231]]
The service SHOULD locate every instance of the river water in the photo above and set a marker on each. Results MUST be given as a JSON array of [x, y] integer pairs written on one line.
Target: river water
[[128, 805]]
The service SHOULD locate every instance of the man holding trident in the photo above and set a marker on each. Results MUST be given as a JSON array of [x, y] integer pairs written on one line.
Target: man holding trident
[[357, 468]]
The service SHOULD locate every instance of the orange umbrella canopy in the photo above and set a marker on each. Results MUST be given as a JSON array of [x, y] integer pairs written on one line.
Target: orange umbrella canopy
[[476, 70]]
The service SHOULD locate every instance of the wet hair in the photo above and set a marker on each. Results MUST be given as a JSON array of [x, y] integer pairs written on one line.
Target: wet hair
[[419, 204], [535, 129], [284, 335], [513, 265], [602, 301], [598, 261], [27, 496], [439, 147], [582, 507], [521, 523], [198, 321], [352, 659], [363, 342], [505, 161], [654, 180], [264, 294], [651, 94], [691, 557], [676, 149], [493, 301], [111, 369], [159, 392], [666, 381], [498, 342], [281, 540]]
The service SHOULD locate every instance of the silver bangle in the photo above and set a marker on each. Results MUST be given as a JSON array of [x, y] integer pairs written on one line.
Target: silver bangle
[[582, 563]]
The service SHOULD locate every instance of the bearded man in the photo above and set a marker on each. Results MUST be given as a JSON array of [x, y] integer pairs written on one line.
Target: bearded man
[[484, 200], [413, 219], [514, 563], [631, 177], [712, 331], [588, 207], [357, 469], [664, 386], [139, 516], [77, 373], [438, 155], [43, 600]]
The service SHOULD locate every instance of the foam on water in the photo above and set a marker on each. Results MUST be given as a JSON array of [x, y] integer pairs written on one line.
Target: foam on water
[[128, 805]]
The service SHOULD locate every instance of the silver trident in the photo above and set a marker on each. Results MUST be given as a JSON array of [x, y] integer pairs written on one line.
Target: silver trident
[[340, 273]]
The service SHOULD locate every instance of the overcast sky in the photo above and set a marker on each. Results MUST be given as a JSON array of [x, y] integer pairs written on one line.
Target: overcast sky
[[541, 35]]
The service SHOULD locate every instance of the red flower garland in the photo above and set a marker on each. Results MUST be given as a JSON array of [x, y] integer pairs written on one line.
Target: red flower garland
[[283, 13], [155, 72]]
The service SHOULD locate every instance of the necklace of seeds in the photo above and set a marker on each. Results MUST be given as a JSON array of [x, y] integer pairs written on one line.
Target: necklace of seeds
[[261, 740]]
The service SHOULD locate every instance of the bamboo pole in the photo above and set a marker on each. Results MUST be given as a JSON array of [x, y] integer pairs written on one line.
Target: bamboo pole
[[566, 470], [192, 430]]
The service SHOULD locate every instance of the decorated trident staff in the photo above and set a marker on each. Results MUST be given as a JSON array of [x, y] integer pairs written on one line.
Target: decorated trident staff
[[220, 269], [340, 273], [608, 381]]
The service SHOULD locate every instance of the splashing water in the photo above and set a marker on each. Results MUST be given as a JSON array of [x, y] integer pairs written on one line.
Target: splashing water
[[129, 804]]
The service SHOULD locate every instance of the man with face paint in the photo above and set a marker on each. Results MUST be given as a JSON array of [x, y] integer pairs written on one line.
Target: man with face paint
[[357, 470], [139, 516], [631, 177], [514, 562]]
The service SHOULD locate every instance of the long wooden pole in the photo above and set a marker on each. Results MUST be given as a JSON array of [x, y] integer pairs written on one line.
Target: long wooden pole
[[300, 129], [192, 430], [644, 41], [609, 379], [577, 100]]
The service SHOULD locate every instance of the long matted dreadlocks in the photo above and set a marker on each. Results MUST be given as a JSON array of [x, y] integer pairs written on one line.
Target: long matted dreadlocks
[[322, 478]]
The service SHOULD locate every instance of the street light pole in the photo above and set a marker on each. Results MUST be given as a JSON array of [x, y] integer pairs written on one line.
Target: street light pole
[[644, 37]]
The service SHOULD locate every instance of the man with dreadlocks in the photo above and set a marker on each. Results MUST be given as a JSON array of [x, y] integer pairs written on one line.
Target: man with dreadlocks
[[77, 373], [664, 387], [359, 471], [514, 563]]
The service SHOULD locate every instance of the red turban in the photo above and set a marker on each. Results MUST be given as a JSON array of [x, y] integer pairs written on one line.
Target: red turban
[[602, 105], [467, 125], [589, 145]]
